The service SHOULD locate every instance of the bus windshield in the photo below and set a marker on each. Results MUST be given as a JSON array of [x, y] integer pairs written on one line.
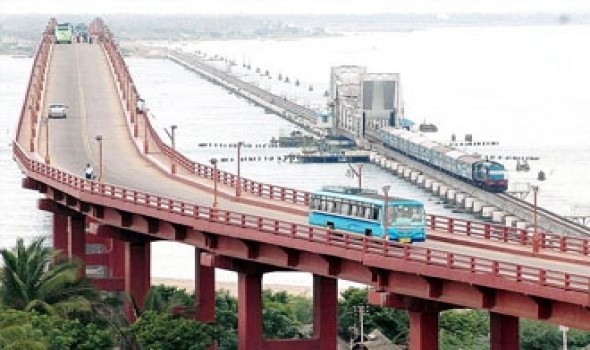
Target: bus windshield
[[405, 214]]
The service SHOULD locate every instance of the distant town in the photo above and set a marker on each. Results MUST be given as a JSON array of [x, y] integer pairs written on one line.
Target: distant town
[[19, 33]]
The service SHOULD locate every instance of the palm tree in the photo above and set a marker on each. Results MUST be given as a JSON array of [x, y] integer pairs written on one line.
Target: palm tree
[[35, 277]]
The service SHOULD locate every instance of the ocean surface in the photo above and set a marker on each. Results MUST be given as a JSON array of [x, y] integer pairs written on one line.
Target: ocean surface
[[525, 87]]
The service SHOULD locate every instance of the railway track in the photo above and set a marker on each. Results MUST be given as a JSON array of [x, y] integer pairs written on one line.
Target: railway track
[[550, 217], [547, 220]]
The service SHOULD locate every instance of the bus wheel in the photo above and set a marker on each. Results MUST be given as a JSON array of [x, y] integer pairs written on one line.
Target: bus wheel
[[368, 232], [330, 225]]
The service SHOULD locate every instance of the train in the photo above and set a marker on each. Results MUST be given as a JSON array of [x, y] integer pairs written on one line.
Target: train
[[471, 168]]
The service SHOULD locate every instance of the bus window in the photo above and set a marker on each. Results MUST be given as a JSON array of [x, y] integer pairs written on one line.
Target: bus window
[[368, 212], [315, 203], [376, 212], [331, 207], [353, 209], [345, 209]]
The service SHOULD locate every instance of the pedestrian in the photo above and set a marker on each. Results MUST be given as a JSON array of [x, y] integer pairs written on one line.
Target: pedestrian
[[89, 172]]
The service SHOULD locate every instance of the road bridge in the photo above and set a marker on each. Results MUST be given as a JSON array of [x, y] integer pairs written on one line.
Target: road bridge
[[148, 192]]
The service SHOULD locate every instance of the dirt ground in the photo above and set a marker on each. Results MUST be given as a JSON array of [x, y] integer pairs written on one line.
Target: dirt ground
[[232, 287]]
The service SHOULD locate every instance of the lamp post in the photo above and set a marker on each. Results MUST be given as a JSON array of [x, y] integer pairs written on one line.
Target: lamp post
[[47, 157], [239, 179], [385, 210], [213, 162], [173, 142], [564, 330], [536, 238], [145, 128], [358, 173], [99, 140], [362, 309]]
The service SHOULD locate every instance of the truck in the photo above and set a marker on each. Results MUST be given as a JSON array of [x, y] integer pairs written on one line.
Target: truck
[[64, 33]]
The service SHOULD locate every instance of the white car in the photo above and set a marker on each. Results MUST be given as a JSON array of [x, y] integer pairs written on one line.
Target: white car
[[57, 110]]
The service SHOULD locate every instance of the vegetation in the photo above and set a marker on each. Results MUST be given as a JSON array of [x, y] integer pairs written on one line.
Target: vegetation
[[392, 323], [45, 304], [35, 278]]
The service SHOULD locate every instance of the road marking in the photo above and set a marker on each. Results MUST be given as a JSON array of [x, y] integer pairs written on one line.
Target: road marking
[[82, 109]]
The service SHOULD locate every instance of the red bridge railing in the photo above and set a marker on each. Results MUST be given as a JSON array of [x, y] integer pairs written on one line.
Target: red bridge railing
[[518, 273]]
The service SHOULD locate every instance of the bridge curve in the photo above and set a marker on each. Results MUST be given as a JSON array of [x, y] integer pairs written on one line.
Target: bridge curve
[[151, 192]]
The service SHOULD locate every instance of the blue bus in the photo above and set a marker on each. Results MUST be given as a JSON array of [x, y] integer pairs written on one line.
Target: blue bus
[[361, 211]]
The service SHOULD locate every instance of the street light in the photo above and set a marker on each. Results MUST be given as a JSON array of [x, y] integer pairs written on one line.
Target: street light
[[358, 173], [172, 135], [213, 162], [536, 238], [145, 135], [239, 179], [385, 209], [47, 157], [99, 140]]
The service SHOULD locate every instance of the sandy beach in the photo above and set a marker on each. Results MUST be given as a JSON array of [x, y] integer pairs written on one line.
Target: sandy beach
[[232, 287]]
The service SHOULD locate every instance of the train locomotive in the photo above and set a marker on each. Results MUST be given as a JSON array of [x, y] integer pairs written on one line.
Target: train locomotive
[[488, 175]]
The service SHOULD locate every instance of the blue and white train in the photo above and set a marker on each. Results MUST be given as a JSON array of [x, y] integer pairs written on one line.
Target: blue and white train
[[471, 168]]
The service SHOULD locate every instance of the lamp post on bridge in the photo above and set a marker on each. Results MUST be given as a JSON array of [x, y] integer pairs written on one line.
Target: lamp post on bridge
[[145, 128], [47, 157], [239, 179], [100, 174], [385, 210], [357, 172], [536, 242], [172, 135], [213, 162]]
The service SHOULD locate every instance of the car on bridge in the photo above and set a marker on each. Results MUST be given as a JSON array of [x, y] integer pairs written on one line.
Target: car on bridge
[[57, 110]]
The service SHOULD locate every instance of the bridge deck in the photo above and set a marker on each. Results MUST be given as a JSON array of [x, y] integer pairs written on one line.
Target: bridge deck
[[80, 76]]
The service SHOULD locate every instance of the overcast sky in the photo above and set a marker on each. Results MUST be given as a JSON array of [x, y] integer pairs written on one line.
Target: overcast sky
[[292, 6]]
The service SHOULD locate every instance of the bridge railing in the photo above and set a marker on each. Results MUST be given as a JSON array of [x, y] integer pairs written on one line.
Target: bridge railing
[[33, 102], [504, 234], [476, 266], [457, 227], [130, 95]]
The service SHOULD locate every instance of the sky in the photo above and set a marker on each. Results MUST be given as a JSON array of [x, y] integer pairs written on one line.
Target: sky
[[291, 6]]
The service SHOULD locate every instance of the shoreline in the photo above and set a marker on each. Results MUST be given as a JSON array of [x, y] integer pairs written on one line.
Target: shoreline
[[232, 287]]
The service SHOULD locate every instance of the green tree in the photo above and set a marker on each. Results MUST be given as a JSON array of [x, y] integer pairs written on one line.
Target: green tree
[[173, 300], [538, 336], [226, 317], [391, 322], [464, 329], [29, 330], [35, 278], [278, 316], [162, 331]]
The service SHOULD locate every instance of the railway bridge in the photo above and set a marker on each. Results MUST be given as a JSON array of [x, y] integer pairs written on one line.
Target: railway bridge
[[147, 192]]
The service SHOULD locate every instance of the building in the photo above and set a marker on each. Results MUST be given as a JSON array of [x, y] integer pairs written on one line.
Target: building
[[360, 100]]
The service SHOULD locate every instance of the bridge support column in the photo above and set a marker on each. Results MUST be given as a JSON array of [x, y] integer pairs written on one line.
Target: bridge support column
[[60, 233], [504, 332], [137, 272], [325, 311], [423, 330], [204, 290], [250, 310], [77, 239]]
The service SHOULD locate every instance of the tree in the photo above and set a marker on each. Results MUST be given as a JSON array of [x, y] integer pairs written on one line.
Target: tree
[[35, 278], [170, 299], [29, 330], [162, 331], [464, 329], [226, 316], [392, 323]]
